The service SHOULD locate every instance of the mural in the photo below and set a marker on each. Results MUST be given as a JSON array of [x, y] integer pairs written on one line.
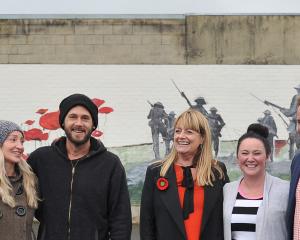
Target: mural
[[49, 122], [141, 103]]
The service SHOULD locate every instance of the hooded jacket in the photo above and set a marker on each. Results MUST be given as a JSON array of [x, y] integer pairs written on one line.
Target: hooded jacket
[[87, 200]]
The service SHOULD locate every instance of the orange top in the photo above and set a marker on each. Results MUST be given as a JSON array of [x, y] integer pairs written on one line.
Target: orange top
[[193, 223]]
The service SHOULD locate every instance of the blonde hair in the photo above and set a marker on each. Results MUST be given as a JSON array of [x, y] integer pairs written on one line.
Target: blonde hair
[[29, 184], [192, 119]]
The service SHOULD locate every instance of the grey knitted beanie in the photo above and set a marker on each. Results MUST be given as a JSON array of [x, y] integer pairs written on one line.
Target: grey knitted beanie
[[7, 127]]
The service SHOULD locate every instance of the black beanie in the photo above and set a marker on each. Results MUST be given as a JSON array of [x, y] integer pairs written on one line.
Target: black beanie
[[75, 100]]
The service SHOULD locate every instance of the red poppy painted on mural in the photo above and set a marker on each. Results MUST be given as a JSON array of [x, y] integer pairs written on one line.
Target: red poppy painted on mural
[[41, 110], [29, 122], [97, 133], [105, 110], [50, 121], [35, 134], [98, 102]]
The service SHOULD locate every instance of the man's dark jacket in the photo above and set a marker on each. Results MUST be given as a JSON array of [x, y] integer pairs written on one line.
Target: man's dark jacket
[[290, 213], [92, 205]]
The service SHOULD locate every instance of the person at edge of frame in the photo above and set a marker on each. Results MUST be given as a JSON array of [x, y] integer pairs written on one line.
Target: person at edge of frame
[[82, 185], [18, 186], [293, 209], [182, 197]]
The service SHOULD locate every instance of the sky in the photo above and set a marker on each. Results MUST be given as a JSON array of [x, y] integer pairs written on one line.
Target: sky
[[149, 7]]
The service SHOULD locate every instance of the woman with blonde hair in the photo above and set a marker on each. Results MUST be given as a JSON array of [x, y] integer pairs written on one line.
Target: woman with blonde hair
[[18, 193], [182, 196]]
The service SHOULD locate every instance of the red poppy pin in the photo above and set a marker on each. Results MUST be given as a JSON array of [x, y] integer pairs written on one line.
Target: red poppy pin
[[162, 184]]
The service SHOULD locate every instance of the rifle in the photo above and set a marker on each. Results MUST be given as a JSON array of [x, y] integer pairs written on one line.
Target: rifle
[[272, 105], [182, 94], [150, 103]]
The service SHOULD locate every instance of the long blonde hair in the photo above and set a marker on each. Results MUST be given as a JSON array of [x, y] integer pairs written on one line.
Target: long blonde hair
[[29, 183], [192, 119]]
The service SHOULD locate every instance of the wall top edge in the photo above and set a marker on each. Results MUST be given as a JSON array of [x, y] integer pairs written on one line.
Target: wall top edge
[[133, 16], [92, 16]]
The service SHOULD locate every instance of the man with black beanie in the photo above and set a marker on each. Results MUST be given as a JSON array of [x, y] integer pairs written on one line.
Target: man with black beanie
[[82, 186]]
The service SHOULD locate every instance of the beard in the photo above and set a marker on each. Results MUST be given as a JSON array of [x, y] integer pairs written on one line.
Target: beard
[[78, 142]]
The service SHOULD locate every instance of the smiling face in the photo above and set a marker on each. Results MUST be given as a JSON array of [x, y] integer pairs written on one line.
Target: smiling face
[[78, 125], [186, 141], [12, 148], [252, 157]]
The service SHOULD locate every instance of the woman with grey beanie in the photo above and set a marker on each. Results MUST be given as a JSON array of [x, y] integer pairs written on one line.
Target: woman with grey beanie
[[18, 195]]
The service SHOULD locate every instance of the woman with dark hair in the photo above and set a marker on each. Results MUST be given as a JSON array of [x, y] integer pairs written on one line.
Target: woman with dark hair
[[182, 197], [255, 205]]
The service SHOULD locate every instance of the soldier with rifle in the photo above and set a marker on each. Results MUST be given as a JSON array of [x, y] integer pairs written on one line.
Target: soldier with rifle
[[290, 113], [200, 102], [216, 124], [158, 124]]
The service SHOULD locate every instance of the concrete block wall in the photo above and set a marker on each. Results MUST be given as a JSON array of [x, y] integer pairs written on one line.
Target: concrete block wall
[[186, 40], [92, 41], [243, 39]]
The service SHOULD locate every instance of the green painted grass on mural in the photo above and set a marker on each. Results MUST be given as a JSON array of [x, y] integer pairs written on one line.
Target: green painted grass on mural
[[136, 158]]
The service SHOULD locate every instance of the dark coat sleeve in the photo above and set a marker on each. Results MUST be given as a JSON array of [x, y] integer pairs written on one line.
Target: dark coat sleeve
[[119, 222], [32, 161], [292, 195], [224, 169], [214, 228], [147, 219]]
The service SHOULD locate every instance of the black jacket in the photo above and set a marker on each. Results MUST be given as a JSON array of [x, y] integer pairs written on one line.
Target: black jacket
[[161, 214], [93, 204]]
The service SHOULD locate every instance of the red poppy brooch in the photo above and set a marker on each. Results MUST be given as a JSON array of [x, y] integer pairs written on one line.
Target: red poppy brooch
[[162, 183]]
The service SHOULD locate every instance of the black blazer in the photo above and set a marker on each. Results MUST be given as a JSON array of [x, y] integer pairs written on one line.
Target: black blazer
[[290, 213], [161, 215]]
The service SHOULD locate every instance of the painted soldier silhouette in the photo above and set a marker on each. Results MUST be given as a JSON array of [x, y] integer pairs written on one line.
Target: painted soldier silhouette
[[216, 124], [294, 137], [158, 124], [269, 122]]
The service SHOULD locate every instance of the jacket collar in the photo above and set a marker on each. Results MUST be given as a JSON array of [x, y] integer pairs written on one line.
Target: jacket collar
[[60, 145], [170, 198], [211, 196], [171, 201]]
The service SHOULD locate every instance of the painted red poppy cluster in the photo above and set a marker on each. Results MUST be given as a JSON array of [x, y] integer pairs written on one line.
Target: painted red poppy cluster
[[162, 184], [49, 121]]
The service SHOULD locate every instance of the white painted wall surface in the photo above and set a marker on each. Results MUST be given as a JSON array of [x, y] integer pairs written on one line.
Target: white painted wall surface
[[126, 88]]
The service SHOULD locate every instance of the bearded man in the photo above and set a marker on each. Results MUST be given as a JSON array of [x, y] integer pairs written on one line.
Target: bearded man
[[82, 186]]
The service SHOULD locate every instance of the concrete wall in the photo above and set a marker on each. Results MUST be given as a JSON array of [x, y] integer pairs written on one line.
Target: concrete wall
[[243, 39], [189, 40], [92, 41]]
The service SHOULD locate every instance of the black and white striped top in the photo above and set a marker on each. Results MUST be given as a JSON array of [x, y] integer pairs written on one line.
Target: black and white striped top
[[243, 219]]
